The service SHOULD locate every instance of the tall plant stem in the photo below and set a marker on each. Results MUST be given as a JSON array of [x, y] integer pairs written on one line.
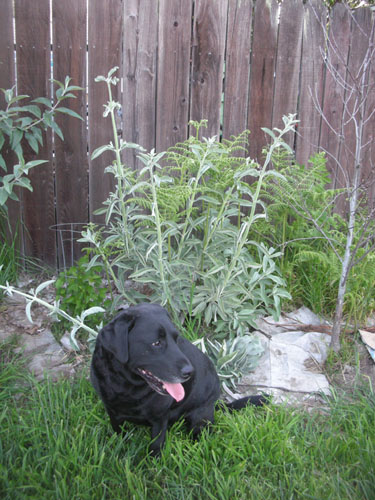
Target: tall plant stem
[[245, 229], [119, 167], [155, 212], [191, 203], [53, 308], [209, 234]]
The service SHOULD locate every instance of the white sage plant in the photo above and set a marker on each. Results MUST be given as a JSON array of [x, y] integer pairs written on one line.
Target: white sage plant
[[78, 323]]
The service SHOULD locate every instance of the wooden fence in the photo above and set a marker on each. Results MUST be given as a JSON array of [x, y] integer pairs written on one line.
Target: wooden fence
[[238, 63]]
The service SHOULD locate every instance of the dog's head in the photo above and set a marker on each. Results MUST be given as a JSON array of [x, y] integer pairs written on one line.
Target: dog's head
[[144, 339]]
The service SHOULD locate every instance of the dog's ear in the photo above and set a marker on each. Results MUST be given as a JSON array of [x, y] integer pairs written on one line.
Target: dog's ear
[[114, 336]]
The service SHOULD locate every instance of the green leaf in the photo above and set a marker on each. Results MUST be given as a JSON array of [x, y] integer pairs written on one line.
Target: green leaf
[[17, 98], [34, 163], [99, 151], [3, 196], [34, 110], [32, 141], [15, 138], [43, 100], [69, 112], [44, 285], [57, 129], [2, 163]]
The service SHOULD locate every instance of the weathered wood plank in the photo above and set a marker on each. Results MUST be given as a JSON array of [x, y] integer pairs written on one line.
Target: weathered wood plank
[[33, 74], [140, 71], [262, 74], [71, 184], [338, 41], [312, 79], [7, 81], [237, 67], [288, 64], [369, 129], [104, 53], [207, 63], [172, 113], [359, 44]]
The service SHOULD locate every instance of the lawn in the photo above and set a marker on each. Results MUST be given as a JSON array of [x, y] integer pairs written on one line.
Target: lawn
[[56, 443]]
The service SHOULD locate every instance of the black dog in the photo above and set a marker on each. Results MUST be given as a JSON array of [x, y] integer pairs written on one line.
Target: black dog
[[146, 373]]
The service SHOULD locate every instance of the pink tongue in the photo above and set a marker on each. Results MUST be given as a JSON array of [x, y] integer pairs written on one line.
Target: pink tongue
[[175, 390]]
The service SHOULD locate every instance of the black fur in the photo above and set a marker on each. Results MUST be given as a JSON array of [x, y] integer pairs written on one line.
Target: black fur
[[141, 346]]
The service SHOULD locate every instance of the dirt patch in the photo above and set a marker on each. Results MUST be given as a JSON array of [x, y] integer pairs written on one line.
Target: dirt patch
[[348, 376]]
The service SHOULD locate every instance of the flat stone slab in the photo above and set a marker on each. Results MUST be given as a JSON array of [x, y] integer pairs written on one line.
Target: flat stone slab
[[44, 355], [291, 366]]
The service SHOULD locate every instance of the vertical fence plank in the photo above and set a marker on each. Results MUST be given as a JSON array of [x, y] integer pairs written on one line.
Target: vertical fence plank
[[369, 130], [139, 70], [237, 67], [359, 43], [104, 53], [288, 63], [207, 62], [172, 112], [338, 41], [69, 59], [262, 82], [312, 79], [33, 74], [7, 81]]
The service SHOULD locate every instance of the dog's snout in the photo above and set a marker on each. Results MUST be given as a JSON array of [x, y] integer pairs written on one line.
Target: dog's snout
[[187, 370]]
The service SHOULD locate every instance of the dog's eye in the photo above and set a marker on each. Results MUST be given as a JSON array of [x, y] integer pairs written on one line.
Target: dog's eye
[[156, 344]]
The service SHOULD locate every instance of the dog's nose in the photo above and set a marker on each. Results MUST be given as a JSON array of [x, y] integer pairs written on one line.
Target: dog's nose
[[187, 371]]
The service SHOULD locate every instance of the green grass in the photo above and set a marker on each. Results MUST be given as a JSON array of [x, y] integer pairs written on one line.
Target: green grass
[[9, 262], [56, 443]]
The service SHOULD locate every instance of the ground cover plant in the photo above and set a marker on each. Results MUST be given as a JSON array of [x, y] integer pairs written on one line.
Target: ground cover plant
[[301, 221], [56, 443]]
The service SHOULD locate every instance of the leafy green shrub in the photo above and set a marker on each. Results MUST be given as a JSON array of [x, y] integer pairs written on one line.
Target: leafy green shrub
[[296, 203], [190, 253], [81, 288], [20, 123]]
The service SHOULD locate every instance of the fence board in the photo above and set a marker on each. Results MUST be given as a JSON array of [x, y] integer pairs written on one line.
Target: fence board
[[312, 79], [263, 65], [339, 36], [104, 53], [69, 58], [288, 63], [369, 129], [237, 67], [7, 81], [346, 154], [172, 111], [207, 63], [33, 74], [139, 70]]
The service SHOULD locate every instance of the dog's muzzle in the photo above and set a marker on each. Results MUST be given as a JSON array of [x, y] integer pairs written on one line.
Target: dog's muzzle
[[162, 387]]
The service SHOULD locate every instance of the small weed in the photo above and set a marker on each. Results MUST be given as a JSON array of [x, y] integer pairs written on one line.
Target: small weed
[[348, 355], [80, 288]]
